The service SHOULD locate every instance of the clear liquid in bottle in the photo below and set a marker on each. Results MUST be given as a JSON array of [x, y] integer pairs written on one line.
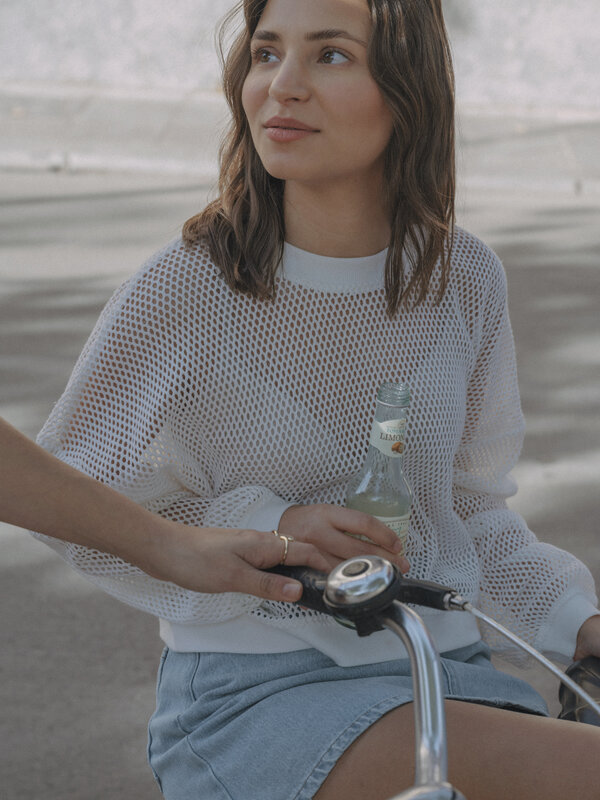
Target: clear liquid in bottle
[[380, 487]]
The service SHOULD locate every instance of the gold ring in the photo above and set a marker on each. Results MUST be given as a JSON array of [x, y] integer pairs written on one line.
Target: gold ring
[[280, 536], [286, 543]]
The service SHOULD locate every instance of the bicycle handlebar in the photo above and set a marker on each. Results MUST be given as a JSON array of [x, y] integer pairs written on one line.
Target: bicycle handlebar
[[406, 590]]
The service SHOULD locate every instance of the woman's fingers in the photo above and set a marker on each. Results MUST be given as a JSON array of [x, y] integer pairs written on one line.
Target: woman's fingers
[[360, 524], [351, 547], [260, 551], [327, 526]]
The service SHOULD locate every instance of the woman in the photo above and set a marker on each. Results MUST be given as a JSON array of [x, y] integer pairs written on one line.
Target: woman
[[230, 383]]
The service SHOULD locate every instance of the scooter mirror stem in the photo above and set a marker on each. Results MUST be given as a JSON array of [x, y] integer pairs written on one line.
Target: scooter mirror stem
[[431, 764]]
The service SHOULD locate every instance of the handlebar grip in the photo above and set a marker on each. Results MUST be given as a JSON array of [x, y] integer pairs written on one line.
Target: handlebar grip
[[424, 593], [313, 583]]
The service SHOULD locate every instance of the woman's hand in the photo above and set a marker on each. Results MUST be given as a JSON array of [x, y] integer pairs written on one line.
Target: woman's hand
[[225, 560], [327, 526], [588, 638]]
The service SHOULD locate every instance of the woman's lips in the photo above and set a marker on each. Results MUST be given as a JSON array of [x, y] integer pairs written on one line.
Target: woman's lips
[[287, 134], [280, 129]]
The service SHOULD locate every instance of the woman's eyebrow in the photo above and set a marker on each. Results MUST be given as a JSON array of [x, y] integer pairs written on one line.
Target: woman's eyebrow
[[314, 36]]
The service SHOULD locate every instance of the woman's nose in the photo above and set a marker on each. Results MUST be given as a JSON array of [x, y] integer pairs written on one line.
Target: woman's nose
[[290, 82]]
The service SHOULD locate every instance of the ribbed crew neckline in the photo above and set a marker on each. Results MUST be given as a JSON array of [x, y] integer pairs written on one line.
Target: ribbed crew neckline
[[330, 274]]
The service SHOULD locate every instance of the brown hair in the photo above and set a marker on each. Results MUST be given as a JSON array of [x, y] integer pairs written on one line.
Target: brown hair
[[410, 60]]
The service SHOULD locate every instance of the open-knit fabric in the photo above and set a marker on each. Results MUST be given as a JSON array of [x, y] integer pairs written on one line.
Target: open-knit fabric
[[214, 408]]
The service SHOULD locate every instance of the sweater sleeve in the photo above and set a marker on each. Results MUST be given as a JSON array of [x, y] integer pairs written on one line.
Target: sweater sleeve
[[540, 592], [127, 418]]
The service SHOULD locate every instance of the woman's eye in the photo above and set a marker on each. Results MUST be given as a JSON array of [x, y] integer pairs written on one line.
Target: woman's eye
[[262, 56], [333, 57]]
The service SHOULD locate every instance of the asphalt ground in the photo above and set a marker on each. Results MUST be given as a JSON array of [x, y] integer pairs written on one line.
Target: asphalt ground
[[77, 669]]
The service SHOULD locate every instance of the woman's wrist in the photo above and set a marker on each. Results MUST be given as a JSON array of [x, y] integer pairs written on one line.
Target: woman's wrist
[[149, 542]]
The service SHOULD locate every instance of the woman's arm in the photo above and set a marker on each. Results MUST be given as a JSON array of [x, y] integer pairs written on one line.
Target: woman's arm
[[541, 592], [40, 492]]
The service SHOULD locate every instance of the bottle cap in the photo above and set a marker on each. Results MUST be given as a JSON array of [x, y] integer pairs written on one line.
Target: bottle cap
[[394, 394]]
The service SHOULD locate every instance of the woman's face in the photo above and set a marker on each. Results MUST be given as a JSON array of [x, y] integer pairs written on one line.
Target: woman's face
[[314, 110]]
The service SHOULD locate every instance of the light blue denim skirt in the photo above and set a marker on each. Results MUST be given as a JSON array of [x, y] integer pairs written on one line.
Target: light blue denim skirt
[[234, 726]]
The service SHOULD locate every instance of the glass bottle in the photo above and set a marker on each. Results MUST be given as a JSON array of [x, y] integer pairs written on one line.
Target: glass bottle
[[380, 487]]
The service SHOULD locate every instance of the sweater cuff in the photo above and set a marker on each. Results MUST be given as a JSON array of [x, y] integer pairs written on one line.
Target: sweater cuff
[[559, 635], [266, 517]]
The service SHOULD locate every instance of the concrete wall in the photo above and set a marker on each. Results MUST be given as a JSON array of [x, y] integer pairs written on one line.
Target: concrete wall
[[526, 53], [115, 43], [540, 54]]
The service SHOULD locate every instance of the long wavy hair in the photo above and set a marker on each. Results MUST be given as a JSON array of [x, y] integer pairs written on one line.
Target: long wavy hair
[[409, 58]]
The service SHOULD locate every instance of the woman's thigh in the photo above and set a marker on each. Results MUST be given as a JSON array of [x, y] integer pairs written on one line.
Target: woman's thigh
[[492, 754], [226, 724]]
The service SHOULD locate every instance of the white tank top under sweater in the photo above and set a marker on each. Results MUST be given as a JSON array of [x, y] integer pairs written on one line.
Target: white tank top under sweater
[[213, 408]]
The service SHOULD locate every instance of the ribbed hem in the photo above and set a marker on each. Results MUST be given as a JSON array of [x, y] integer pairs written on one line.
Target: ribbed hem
[[558, 637], [244, 634], [251, 634]]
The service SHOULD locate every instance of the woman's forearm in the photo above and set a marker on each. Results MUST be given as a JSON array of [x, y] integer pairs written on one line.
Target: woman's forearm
[[41, 493]]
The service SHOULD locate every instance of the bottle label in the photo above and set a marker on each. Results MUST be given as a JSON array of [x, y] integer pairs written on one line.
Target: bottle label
[[398, 524], [388, 437]]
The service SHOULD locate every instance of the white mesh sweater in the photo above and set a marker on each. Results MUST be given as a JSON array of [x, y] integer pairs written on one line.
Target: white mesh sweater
[[210, 407]]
